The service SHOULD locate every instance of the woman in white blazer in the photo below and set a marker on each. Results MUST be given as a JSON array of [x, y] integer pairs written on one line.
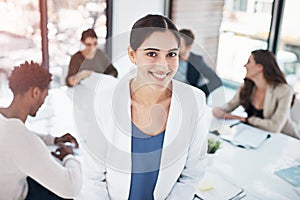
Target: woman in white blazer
[[167, 114], [265, 96]]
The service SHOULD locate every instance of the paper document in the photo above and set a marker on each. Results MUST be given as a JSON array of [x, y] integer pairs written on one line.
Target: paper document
[[246, 136], [215, 187], [291, 175]]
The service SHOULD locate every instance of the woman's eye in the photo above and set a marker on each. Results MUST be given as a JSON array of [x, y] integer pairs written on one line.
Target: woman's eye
[[151, 54], [172, 54]]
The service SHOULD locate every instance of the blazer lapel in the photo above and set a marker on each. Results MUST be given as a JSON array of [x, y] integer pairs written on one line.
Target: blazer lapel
[[268, 102], [171, 149], [119, 156]]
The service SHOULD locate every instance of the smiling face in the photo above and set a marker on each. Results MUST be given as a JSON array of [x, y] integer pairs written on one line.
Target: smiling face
[[156, 59], [253, 69]]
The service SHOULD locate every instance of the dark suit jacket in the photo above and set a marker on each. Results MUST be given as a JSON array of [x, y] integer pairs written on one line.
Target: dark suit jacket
[[197, 70]]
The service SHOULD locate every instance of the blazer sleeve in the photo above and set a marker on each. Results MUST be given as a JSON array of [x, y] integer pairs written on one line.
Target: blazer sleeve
[[233, 103], [187, 184], [94, 180], [95, 152], [279, 118]]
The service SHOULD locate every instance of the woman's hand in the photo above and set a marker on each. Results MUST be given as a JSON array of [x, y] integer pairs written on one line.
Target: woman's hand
[[219, 112], [75, 79], [231, 116]]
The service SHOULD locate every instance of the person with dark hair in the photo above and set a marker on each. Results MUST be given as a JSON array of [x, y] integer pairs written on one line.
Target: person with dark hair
[[192, 68], [90, 59], [24, 154], [158, 125], [265, 96]]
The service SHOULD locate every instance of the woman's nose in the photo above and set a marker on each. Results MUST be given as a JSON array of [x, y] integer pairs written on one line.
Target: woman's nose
[[162, 64]]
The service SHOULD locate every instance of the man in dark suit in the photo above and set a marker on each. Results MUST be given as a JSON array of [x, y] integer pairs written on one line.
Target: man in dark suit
[[192, 68]]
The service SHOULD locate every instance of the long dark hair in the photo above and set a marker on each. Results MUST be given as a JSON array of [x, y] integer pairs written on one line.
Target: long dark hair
[[149, 24], [271, 72]]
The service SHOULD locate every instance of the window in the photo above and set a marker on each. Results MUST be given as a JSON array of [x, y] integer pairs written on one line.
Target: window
[[288, 54], [66, 21], [240, 5], [263, 6], [20, 37], [240, 33]]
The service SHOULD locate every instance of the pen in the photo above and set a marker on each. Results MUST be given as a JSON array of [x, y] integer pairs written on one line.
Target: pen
[[241, 146], [232, 125]]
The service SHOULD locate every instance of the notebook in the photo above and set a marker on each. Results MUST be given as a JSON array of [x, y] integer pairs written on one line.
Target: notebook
[[246, 136], [215, 187], [290, 174]]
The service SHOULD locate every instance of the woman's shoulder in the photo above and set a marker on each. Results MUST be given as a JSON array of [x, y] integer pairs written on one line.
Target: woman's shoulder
[[282, 89], [185, 88], [106, 84], [187, 93], [100, 52], [77, 54]]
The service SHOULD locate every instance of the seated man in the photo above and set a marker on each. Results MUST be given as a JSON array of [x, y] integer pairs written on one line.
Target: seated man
[[23, 153], [192, 68]]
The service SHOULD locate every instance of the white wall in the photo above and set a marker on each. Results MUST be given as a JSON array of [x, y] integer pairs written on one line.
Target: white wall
[[125, 13]]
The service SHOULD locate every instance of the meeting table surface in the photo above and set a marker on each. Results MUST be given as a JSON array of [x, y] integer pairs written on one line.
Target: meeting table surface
[[251, 169]]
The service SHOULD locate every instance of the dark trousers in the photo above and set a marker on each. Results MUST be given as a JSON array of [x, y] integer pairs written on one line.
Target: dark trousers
[[38, 192]]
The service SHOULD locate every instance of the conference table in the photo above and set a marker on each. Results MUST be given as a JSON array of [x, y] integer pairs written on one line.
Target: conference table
[[251, 169]]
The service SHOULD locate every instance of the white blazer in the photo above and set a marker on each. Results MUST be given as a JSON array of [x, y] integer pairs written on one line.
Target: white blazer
[[184, 147]]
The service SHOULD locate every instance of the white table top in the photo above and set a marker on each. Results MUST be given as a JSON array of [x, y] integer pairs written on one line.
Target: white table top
[[253, 169], [250, 169]]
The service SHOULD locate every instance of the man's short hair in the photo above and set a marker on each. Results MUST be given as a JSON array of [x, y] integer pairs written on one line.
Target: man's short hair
[[188, 36], [28, 75]]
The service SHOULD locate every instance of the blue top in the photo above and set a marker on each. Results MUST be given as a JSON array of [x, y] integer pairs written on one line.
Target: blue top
[[146, 154]]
